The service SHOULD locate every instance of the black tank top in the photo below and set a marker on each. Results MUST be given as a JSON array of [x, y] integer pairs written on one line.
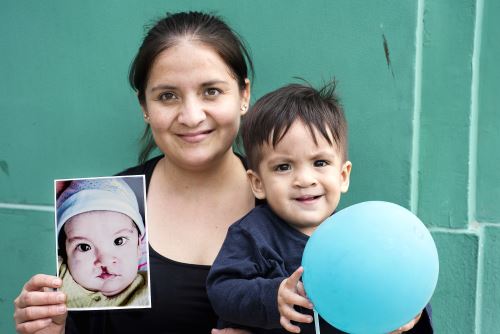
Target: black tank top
[[178, 296]]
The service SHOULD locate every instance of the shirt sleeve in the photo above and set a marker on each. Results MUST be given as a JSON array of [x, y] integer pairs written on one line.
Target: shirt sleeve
[[242, 284]]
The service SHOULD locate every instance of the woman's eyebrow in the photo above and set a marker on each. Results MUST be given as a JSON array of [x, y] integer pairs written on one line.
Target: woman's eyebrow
[[172, 87], [213, 82], [162, 87]]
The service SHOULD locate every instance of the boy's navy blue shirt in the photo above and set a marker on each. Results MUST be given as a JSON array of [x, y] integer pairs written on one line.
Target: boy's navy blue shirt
[[259, 252]]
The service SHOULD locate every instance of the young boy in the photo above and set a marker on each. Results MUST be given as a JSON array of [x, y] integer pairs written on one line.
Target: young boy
[[295, 139], [99, 229]]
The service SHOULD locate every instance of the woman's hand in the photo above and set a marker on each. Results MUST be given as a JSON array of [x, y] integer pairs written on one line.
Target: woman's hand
[[291, 292], [37, 309], [408, 326]]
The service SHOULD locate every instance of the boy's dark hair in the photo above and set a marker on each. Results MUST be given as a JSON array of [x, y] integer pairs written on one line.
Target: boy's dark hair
[[271, 116]]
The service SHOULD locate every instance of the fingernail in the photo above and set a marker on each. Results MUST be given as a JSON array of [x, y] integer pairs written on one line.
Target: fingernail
[[61, 309], [61, 298], [310, 319], [57, 282]]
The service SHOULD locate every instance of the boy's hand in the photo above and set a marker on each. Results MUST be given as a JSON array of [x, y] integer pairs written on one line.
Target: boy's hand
[[291, 292], [408, 326]]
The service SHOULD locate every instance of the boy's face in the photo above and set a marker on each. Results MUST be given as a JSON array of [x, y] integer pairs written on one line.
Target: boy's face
[[300, 180], [103, 250]]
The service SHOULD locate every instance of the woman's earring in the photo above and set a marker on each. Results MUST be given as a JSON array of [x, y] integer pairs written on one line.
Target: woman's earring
[[146, 117], [243, 107]]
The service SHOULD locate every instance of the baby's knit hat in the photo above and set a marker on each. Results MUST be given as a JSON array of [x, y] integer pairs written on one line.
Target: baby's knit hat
[[111, 194]]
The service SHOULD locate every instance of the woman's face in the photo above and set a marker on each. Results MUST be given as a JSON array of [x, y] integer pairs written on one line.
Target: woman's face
[[193, 104]]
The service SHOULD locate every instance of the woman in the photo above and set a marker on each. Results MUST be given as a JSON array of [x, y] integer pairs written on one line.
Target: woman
[[191, 79]]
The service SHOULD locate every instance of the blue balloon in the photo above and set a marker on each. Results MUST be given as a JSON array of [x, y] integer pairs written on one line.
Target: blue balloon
[[370, 268]]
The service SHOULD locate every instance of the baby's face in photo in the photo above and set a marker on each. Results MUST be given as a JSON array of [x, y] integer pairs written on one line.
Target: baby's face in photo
[[103, 250]]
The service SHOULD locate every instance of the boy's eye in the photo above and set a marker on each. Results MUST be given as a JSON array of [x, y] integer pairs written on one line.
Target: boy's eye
[[320, 163], [212, 92], [83, 247], [282, 167], [168, 96], [120, 241]]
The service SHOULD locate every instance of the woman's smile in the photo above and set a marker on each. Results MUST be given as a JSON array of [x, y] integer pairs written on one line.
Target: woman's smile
[[195, 137]]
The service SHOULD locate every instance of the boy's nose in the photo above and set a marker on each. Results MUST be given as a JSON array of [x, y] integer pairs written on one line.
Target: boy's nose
[[304, 178]]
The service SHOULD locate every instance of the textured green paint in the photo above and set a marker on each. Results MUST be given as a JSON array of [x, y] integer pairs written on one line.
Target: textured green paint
[[378, 105], [490, 308], [67, 111], [488, 182], [453, 303], [26, 247], [71, 113], [446, 87]]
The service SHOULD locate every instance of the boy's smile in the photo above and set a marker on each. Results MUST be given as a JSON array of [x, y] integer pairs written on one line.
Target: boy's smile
[[300, 179], [308, 199]]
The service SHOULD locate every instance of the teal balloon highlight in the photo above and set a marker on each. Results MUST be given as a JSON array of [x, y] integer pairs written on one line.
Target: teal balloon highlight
[[370, 268]]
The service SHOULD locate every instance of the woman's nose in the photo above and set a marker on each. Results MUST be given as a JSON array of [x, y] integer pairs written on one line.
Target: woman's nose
[[192, 113]]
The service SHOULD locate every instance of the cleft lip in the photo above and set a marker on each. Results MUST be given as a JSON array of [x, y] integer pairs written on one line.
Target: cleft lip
[[105, 274]]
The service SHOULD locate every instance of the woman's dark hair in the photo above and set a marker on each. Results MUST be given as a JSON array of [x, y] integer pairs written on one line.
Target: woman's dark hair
[[208, 29]]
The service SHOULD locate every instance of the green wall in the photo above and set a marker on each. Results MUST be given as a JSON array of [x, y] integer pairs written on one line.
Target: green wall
[[423, 118]]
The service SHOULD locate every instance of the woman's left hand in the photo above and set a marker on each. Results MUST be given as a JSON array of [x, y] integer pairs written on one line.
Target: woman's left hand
[[408, 326]]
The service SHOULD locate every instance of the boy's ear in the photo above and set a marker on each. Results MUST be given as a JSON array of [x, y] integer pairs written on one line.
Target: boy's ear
[[345, 174], [256, 184]]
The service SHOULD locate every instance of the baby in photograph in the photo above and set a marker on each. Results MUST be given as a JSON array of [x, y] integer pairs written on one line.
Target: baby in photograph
[[99, 229]]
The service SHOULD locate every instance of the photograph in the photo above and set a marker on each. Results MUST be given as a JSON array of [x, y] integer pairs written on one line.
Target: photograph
[[102, 256]]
